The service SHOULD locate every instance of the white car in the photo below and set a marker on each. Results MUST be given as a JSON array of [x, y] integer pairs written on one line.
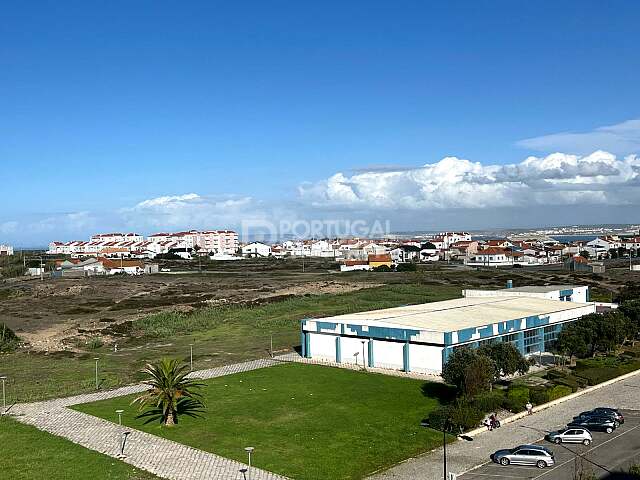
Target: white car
[[571, 435]]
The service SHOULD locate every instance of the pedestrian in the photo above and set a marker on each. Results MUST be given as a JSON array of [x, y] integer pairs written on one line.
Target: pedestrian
[[529, 408], [487, 424]]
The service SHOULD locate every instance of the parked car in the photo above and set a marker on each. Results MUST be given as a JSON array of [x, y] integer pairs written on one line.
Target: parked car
[[610, 411], [592, 413], [603, 424], [571, 435], [537, 455]]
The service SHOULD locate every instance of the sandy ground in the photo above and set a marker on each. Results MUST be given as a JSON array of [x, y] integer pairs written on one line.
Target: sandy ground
[[48, 314]]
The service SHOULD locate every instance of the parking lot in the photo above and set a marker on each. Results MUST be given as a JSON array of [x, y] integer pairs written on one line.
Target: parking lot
[[607, 455]]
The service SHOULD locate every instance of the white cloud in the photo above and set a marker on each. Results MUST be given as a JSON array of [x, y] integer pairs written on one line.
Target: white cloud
[[557, 179], [190, 211], [621, 139]]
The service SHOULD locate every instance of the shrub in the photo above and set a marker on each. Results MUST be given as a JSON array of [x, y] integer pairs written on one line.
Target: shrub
[[465, 416], [539, 395], [517, 397], [438, 417], [406, 267], [598, 375], [8, 339], [559, 391], [553, 374], [489, 401], [94, 343], [569, 382], [382, 268], [460, 416]]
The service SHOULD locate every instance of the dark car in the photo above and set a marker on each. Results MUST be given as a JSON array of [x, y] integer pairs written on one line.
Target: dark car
[[610, 411], [602, 424], [616, 417]]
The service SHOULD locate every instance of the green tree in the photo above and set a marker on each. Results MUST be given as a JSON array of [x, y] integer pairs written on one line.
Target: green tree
[[571, 342], [469, 371], [478, 375], [631, 309], [507, 359], [171, 393]]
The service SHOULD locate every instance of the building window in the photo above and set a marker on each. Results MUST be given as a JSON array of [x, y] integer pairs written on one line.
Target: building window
[[531, 341], [512, 338]]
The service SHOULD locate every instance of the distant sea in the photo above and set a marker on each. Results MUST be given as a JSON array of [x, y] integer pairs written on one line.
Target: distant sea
[[573, 238]]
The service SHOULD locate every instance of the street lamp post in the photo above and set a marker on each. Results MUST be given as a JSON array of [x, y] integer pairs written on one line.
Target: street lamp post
[[364, 363], [4, 397], [123, 443], [191, 356], [119, 412], [97, 359], [444, 446], [249, 451]]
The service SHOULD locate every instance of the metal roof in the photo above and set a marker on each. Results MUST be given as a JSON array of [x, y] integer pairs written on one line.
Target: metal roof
[[539, 288], [451, 315]]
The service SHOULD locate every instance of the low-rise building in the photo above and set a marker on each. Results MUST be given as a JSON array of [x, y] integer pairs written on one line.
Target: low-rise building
[[380, 260], [256, 249], [6, 250], [421, 337]]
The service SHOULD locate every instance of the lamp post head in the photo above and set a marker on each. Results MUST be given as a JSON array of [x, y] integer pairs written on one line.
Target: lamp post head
[[3, 377], [119, 411], [96, 358], [249, 449]]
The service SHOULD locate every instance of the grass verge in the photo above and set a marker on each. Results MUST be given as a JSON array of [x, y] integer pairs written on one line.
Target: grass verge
[[31, 454], [305, 421]]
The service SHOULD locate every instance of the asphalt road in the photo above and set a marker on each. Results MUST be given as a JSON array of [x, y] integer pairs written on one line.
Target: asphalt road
[[607, 455]]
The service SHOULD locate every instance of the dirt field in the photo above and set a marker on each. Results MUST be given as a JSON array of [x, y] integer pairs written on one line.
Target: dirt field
[[49, 314], [54, 314]]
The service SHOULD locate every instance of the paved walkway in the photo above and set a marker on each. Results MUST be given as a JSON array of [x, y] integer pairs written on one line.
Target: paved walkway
[[463, 455], [157, 455]]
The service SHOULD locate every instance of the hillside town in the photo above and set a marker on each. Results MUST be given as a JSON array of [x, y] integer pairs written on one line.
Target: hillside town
[[132, 253]]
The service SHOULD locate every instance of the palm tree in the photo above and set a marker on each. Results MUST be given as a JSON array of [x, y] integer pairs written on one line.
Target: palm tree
[[171, 393]]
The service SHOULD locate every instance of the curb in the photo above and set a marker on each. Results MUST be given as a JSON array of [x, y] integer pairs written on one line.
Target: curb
[[557, 401]]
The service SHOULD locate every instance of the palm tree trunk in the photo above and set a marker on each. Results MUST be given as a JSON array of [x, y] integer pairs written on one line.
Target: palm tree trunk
[[169, 419]]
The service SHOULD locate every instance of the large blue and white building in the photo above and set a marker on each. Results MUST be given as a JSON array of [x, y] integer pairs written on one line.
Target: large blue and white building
[[421, 337]]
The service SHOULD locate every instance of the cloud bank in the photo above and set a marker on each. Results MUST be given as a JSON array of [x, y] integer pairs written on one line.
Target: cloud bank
[[451, 193], [455, 183], [621, 139]]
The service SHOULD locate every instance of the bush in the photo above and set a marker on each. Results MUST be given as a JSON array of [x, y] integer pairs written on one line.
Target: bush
[[489, 401], [438, 417], [539, 395], [598, 375], [559, 391], [553, 374], [465, 416], [406, 267], [517, 398], [94, 343], [569, 382], [9, 341], [382, 268], [460, 416]]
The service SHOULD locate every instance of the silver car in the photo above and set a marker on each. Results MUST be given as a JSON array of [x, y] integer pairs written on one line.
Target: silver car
[[571, 435], [536, 455]]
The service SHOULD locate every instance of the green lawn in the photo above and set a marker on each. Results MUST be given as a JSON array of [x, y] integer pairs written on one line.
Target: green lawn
[[305, 421], [30, 454], [221, 336]]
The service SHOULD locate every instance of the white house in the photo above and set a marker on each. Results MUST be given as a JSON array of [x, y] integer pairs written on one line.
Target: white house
[[491, 257], [6, 250], [601, 245], [256, 249]]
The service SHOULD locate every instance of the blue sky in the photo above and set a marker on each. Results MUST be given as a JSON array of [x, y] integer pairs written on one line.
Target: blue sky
[[274, 110]]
